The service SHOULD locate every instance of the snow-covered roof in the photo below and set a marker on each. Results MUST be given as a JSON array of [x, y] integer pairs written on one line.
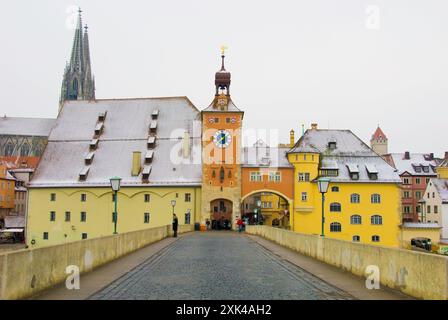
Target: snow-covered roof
[[414, 165], [343, 151], [39, 127], [441, 186], [317, 141], [386, 174], [125, 131], [262, 155]]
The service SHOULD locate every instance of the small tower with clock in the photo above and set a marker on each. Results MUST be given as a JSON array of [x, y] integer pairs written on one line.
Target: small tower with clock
[[221, 155]]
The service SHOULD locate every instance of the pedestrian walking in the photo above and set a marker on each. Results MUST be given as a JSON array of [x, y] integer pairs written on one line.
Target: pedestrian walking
[[208, 224], [240, 224], [175, 224]]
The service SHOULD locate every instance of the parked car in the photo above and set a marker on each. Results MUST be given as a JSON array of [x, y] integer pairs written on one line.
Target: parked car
[[421, 244]]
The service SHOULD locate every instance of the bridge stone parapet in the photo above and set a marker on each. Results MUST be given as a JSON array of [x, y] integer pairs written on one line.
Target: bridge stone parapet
[[26, 272], [418, 274]]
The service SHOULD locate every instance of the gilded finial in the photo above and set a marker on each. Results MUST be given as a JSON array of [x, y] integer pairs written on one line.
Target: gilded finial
[[223, 49]]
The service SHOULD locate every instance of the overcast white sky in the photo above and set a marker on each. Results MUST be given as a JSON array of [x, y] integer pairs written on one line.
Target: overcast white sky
[[292, 62]]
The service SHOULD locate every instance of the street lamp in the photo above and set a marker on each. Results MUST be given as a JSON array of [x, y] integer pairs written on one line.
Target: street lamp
[[259, 213], [322, 184], [173, 204], [115, 185]]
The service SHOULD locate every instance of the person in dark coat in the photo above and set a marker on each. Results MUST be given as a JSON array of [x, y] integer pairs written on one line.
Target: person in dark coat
[[175, 224]]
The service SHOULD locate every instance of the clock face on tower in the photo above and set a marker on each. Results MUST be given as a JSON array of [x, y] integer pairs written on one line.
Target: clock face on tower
[[222, 138]]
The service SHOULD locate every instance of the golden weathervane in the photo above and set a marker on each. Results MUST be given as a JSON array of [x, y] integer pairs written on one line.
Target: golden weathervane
[[223, 50]]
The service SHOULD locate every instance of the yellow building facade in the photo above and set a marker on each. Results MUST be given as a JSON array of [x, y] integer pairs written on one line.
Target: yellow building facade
[[59, 215], [360, 209]]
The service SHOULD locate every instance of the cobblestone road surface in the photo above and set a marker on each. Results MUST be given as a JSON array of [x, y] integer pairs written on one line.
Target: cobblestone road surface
[[218, 265]]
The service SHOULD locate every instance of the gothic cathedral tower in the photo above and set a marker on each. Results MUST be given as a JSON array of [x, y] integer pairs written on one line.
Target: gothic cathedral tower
[[221, 155], [78, 82]]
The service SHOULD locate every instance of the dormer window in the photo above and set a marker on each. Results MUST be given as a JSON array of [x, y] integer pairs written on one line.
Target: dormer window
[[146, 172], [99, 129], [155, 114], [425, 169], [89, 158], [332, 145], [372, 171], [93, 144], [102, 116], [84, 173], [151, 142], [153, 126], [149, 156], [353, 171], [417, 168]]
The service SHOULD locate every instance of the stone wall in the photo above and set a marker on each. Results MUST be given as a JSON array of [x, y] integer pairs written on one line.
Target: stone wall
[[417, 274], [26, 272]]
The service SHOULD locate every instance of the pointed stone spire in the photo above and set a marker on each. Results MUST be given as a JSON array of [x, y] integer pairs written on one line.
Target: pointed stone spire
[[77, 51], [78, 82]]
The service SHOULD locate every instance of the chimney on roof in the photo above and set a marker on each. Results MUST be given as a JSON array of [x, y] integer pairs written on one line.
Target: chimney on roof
[[136, 163], [446, 155], [186, 145], [431, 156], [407, 155], [314, 126]]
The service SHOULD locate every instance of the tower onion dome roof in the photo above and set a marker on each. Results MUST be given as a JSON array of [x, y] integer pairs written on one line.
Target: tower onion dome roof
[[222, 77]]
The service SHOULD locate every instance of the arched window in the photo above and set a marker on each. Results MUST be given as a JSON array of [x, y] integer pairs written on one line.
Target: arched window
[[335, 227], [375, 238], [376, 219], [335, 207], [355, 219], [356, 238], [25, 150], [375, 198], [355, 198], [334, 189], [9, 149]]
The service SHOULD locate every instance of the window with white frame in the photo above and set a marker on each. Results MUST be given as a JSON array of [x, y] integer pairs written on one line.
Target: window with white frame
[[376, 219], [304, 196], [355, 219], [255, 176], [304, 177], [275, 176], [355, 198], [375, 198]]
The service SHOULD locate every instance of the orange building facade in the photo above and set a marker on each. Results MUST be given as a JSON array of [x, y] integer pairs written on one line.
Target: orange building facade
[[7, 187]]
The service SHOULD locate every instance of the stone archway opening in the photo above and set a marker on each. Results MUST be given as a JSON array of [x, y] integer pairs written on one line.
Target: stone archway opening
[[221, 214], [266, 208]]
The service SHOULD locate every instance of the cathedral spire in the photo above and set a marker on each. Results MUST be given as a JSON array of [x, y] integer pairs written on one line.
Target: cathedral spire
[[78, 82], [77, 51]]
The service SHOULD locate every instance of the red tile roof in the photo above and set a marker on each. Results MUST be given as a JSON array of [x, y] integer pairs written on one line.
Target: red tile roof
[[20, 162], [379, 134]]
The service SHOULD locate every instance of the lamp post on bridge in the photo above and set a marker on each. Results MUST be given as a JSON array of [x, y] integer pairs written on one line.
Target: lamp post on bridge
[[115, 185], [322, 184]]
